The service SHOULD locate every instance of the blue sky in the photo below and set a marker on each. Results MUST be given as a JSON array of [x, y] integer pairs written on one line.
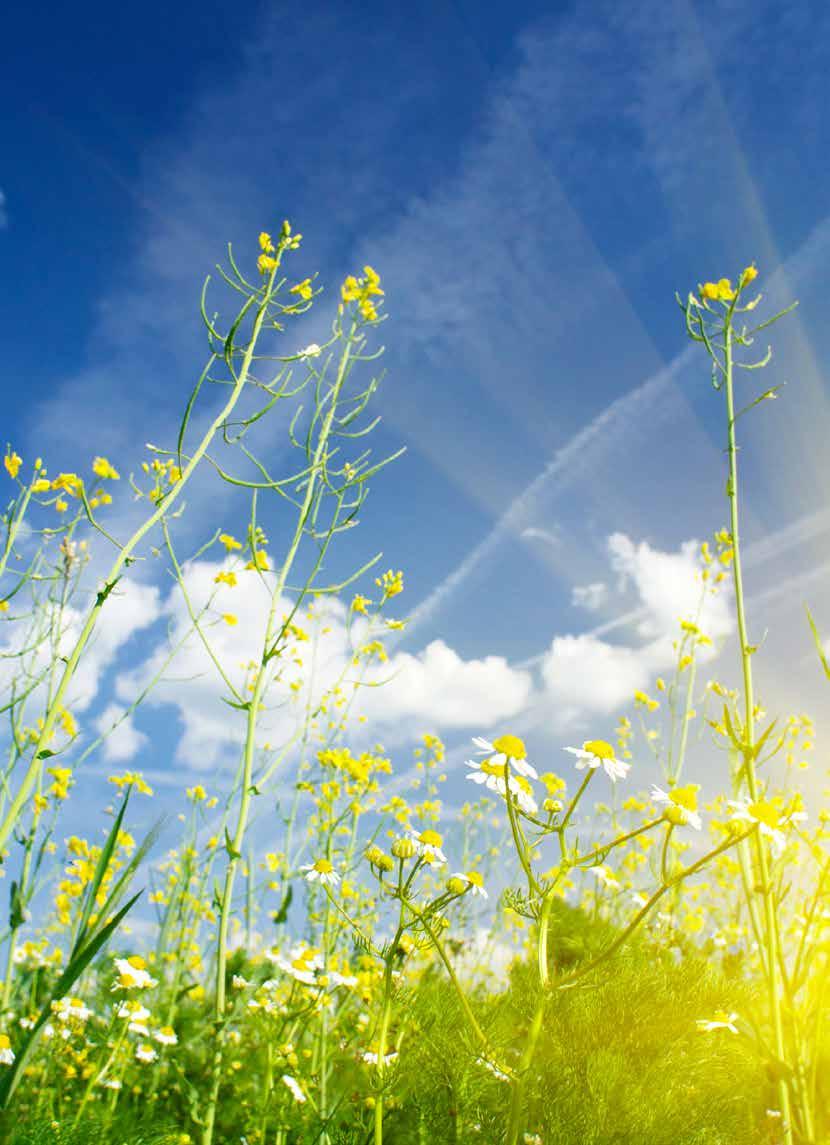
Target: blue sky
[[533, 182]]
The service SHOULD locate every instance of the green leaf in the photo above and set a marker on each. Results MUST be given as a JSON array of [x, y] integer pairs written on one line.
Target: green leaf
[[281, 915], [78, 963], [821, 655]]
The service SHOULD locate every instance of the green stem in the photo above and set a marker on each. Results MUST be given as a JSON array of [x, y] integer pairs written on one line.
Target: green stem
[[771, 935]]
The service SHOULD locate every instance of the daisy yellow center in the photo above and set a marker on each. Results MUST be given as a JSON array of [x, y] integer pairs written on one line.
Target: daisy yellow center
[[5, 1044], [475, 878], [523, 784], [765, 813], [685, 797], [490, 768], [430, 838], [137, 962], [599, 748], [323, 867], [511, 746]]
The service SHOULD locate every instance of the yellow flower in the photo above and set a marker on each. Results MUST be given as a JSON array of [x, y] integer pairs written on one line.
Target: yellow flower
[[304, 289], [69, 482], [229, 542], [749, 275], [42, 485], [265, 264], [61, 506], [372, 281], [131, 779], [265, 243], [260, 561], [359, 604], [350, 289], [229, 619], [511, 746], [720, 291], [63, 781], [228, 578], [12, 461], [391, 583], [102, 468], [4, 606], [68, 722]]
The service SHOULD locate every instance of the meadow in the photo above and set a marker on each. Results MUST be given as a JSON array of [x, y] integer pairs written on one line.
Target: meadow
[[575, 958]]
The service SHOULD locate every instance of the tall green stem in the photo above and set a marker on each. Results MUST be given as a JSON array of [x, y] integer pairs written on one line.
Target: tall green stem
[[246, 786], [771, 935]]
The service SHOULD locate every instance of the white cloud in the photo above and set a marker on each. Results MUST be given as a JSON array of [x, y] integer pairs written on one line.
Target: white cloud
[[668, 587], [589, 596], [124, 741], [585, 674], [432, 690], [131, 608]]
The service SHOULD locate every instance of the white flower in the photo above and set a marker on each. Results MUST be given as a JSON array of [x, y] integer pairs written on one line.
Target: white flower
[[301, 964], [721, 1021], [166, 1036], [605, 876], [347, 980], [769, 817], [71, 1009], [145, 1053], [428, 846], [6, 1051], [596, 753], [132, 974], [322, 871], [495, 777], [504, 749], [371, 1057], [680, 804], [132, 1010], [474, 881], [294, 1086], [311, 351], [111, 1083], [494, 1070]]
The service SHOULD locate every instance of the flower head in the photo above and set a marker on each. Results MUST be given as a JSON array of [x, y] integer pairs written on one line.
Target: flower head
[[132, 974], [680, 804], [720, 1021], [321, 872], [596, 753]]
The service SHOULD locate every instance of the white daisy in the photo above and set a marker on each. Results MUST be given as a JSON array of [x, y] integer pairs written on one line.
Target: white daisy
[[132, 974], [145, 1053], [495, 777], [474, 881], [322, 871], [596, 753], [605, 876], [769, 817], [166, 1036], [721, 1021], [507, 748], [371, 1057], [428, 846], [294, 1086], [680, 804]]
